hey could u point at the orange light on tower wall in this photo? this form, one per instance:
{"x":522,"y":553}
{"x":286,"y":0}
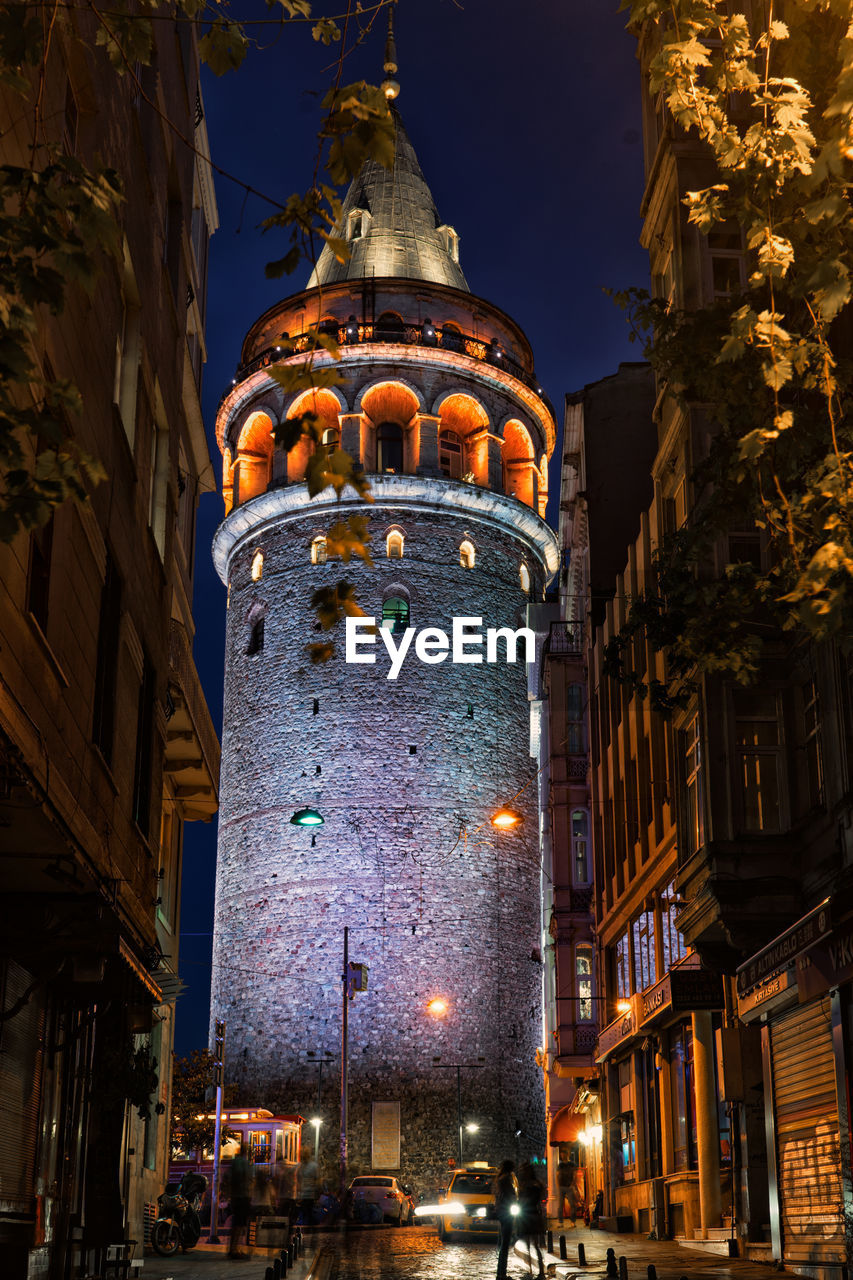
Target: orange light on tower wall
{"x":505,"y":818}
{"x":437,"y":1006}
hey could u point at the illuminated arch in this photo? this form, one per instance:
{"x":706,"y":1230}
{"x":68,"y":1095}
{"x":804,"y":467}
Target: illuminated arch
{"x":253,"y":464}
{"x":227,"y":480}
{"x":327,"y":406}
{"x":467,"y":554}
{"x":388,"y":404}
{"x":394,"y":544}
{"x":519,"y":463}
{"x":464,"y":415}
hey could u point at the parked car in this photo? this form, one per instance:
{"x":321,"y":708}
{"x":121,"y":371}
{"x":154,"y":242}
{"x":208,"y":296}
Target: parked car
{"x":375,"y":1197}
{"x":471,"y":1188}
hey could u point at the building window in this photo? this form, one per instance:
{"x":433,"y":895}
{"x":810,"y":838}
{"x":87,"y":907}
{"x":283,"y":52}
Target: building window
{"x":144,"y":743}
{"x":260,"y":1146}
{"x":643,"y":930}
{"x":38,"y":579}
{"x":394,"y":545}
{"x":758,"y":748}
{"x":583,"y":971}
{"x":624,"y":989}
{"x":694,"y":798}
{"x":674,"y":947}
{"x":332,"y":439}
{"x":395,"y":615}
{"x":450,"y":454}
{"x":158,"y":494}
{"x":467,"y":554}
{"x":256,"y":637}
{"x":318,"y":550}
{"x":524,"y":578}
{"x":683,"y":1097}
{"x":580,"y":845}
{"x":257,"y":566}
{"x":389,"y":448}
{"x":626,"y":1121}
{"x":812,"y":744}
{"x":106,"y":668}
{"x":575,"y":723}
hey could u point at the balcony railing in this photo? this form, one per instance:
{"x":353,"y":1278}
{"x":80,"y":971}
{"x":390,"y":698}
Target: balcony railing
{"x":564,"y":641}
{"x":574,"y":1039}
{"x":407,"y":333}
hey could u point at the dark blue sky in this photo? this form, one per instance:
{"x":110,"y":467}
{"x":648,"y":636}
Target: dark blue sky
{"x":526,"y":122}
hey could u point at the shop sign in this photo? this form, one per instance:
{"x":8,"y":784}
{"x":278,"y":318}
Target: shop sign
{"x":696,"y":989}
{"x":766,"y":991}
{"x":615,"y":1033}
{"x":657,"y":999}
{"x":827,"y":965}
{"x":782,"y":950}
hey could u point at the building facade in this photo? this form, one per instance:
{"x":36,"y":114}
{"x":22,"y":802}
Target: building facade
{"x":438,"y":402}
{"x":106,"y":743}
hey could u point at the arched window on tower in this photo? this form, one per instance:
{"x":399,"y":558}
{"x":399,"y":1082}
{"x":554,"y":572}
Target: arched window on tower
{"x":450,"y":454}
{"x":467,"y":554}
{"x":256,"y":637}
{"x":524,"y":578}
{"x":390,"y":328}
{"x":318,"y":550}
{"x":394,"y":545}
{"x":580,"y":846}
{"x":257,"y":566}
{"x":395,"y":615}
{"x":332,"y":438}
{"x":389,"y":448}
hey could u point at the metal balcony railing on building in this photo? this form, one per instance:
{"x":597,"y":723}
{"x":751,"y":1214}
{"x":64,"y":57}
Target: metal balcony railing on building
{"x":407,"y":333}
{"x":564,"y":641}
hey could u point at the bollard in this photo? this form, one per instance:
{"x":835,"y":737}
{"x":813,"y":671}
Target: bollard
{"x":550,"y":1241}
{"x":269,"y":1274}
{"x":581,"y":1256}
{"x":651,"y":1272}
{"x":300,"y":1242}
{"x":623,"y":1267}
{"x":612,"y":1269}
{"x":563,"y":1254}
{"x":276,"y":1269}
{"x":291,"y":1251}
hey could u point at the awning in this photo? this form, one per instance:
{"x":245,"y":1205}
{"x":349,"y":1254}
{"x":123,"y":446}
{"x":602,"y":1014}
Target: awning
{"x":565,"y":1127}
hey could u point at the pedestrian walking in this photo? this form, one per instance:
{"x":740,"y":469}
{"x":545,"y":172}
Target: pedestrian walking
{"x":531,"y":1219}
{"x":241,"y":1202}
{"x":308,"y":1173}
{"x":505,"y":1191}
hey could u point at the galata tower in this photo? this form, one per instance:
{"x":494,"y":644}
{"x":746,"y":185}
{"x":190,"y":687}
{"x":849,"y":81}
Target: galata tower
{"x":439,"y":403}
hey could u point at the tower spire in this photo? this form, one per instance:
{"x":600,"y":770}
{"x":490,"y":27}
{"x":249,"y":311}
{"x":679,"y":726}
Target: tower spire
{"x":390,"y":87}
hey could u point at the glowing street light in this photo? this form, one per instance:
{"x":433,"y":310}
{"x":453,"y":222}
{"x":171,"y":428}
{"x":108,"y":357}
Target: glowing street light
{"x":506,"y":818}
{"x":472,"y":1128}
{"x":623,"y":1006}
{"x":316,"y":1121}
{"x":437,"y":1007}
{"x":307,"y":817}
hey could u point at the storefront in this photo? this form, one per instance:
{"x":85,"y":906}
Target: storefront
{"x":799,"y":989}
{"x":666,"y":1141}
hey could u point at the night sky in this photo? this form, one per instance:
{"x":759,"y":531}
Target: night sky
{"x":526,"y":123}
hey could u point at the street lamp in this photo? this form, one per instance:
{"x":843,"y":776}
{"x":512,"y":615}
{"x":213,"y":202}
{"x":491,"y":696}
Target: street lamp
{"x":437,"y":1006}
{"x":506,"y":818}
{"x":458,"y":1067}
{"x":307,"y":817}
{"x":316,"y":1121}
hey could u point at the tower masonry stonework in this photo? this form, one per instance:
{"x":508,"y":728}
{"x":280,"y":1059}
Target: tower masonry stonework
{"x":439,"y":403}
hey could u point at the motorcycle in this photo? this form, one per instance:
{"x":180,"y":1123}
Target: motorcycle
{"x":178,"y":1224}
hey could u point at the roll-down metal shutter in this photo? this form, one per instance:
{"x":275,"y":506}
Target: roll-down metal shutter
{"x":807,"y":1142}
{"x":20,"y":1085}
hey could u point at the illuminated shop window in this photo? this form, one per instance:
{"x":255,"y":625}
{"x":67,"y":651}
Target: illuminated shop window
{"x":318,"y":550}
{"x":257,"y":566}
{"x":467,"y":554}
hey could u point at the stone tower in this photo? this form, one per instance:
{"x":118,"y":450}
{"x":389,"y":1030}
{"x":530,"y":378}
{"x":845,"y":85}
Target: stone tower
{"x":440,"y":404}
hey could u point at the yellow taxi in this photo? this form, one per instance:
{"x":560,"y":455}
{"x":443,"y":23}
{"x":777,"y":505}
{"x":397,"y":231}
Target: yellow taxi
{"x":468,"y":1203}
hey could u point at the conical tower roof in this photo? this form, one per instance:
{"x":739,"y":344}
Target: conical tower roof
{"x":401,"y":234}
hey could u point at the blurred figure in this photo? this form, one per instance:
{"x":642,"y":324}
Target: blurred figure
{"x":241,"y":1202}
{"x":308,"y":1173}
{"x":505,"y":1190}
{"x":531,"y":1219}
{"x":286,"y":1201}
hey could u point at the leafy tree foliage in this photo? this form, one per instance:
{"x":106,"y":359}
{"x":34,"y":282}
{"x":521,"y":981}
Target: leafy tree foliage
{"x":770,"y":94}
{"x":192,"y":1080}
{"x":58,"y":217}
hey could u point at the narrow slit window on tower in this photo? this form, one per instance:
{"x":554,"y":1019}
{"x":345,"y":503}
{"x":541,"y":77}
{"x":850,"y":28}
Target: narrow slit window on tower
{"x":524,"y":578}
{"x":332,"y":438}
{"x":257,"y":566}
{"x":318,"y":550}
{"x":256,"y":637}
{"x":395,"y":615}
{"x":316,"y":710}
{"x":467,"y":554}
{"x":394,"y":545}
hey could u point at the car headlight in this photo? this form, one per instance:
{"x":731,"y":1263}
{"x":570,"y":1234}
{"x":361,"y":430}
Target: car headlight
{"x":481,"y":1212}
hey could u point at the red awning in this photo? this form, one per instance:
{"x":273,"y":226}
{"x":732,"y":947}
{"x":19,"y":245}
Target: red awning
{"x":566,"y":1126}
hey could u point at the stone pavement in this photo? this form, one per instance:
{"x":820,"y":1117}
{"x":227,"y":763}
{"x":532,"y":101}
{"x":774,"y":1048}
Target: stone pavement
{"x":415,"y":1253}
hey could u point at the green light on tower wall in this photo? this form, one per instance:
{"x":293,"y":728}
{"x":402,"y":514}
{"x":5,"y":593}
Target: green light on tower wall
{"x":307,"y":818}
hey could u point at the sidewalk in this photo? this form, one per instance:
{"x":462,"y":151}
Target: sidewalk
{"x":671,"y":1261}
{"x":211,"y":1262}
